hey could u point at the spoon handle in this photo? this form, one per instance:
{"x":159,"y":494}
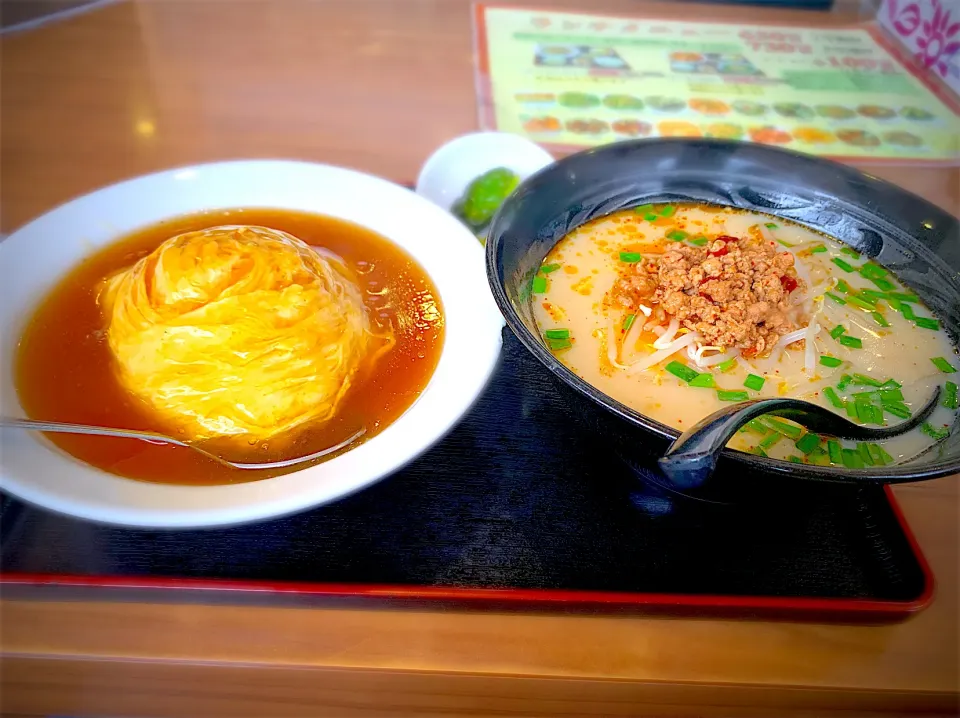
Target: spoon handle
{"x":153,"y":438}
{"x":61,"y":428}
{"x":691,"y":459}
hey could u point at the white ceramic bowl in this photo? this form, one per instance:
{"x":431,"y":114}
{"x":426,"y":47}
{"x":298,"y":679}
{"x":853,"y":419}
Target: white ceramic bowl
{"x":35,"y":257}
{"x":448,"y":172}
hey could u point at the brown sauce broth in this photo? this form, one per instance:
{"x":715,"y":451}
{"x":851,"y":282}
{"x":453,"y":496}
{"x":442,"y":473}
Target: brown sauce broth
{"x":64,"y":368}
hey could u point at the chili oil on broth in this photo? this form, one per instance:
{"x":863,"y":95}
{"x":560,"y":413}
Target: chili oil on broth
{"x":576,"y":298}
{"x":64,"y":367}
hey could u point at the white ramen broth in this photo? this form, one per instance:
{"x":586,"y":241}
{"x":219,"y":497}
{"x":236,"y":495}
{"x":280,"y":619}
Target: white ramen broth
{"x":835,"y":329}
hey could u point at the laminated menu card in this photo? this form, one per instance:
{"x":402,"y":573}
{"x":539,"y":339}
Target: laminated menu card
{"x":570,"y":81}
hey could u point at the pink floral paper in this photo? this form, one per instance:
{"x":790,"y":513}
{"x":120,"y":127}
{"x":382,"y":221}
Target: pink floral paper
{"x":930,"y":30}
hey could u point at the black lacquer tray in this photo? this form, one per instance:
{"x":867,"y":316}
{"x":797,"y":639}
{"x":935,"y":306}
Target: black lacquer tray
{"x":521,"y":506}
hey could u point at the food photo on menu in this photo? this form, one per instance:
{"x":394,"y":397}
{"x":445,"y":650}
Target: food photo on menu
{"x":655,"y":334}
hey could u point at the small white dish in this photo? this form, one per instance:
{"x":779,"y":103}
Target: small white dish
{"x":35,"y":257}
{"x":449,"y":171}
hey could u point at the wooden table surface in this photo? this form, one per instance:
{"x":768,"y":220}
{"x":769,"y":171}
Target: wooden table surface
{"x":377,"y":84}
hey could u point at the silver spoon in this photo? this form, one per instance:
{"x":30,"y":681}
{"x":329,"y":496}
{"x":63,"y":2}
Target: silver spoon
{"x":691,"y":459}
{"x":154,"y":438}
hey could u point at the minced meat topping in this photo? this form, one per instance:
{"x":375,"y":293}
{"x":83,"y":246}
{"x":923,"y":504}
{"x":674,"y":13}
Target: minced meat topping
{"x":733,"y":292}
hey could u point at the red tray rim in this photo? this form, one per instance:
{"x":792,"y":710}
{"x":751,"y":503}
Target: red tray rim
{"x":518,"y":597}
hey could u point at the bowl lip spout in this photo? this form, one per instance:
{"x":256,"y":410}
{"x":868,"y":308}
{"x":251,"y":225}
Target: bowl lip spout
{"x":564,"y":167}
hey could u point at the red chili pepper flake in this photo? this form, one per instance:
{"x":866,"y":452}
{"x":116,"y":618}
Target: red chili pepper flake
{"x":789,"y":283}
{"x":704,"y":294}
{"x":726,"y":239}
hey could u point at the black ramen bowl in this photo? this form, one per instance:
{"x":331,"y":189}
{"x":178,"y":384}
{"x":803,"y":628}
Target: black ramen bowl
{"x":918,"y":241}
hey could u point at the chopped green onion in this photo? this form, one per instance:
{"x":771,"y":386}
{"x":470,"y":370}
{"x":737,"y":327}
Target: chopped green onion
{"x":699,"y":241}
{"x":833,"y":397}
{"x":834,"y":297}
{"x":867,"y":412}
{"x":630,"y":257}
{"x":851,"y":252}
{"x":644,"y":209}
{"x":891,"y":384}
{"x":851,"y":459}
{"x":858,"y":301}
{"x":845,"y":266}
{"x":864,"y":297}
{"x":732,"y":395}
{"x":771,"y":225}
{"x":898,"y":409}
{"x":756,"y":426}
{"x":851,"y":408}
{"x":817,"y":249}
{"x":869,"y":394}
{"x":950,"y":400}
{"x":819,"y":457}
{"x":895,"y":304}
{"x":933,"y":432}
{"x":864,"y":450}
{"x":681,"y":371}
{"x":557,"y":334}
{"x":754,"y":382}
{"x":830,"y":361}
{"x":833,"y":448}
{"x":851,"y":342}
{"x":770,"y":439}
{"x":873,"y":293}
{"x":539,"y":285}
{"x":863,"y":397}
{"x":704,"y":381}
{"x":783,"y":427}
{"x":760,"y":452}
{"x":677,"y":235}
{"x":871,"y":414}
{"x":628,"y":322}
{"x":837,"y":331}
{"x":871,"y":270}
{"x":927,"y":323}
{"x":668,"y":211}
{"x":842,"y":286}
{"x":808,"y":442}
{"x":880,"y":319}
{"x":547,"y":268}
{"x":878,"y":455}
{"x":558,"y":344}
{"x":943,"y":365}
{"x":884,"y":284}
{"x":784,"y":244}
{"x":795,"y":459}
{"x":907,"y":311}
{"x":864,"y":380}
{"x":725,"y":366}
{"x":887,"y":459}
{"x":844,"y":382}
{"x":904,"y":297}
{"x":888,"y":395}
{"x":651,"y":217}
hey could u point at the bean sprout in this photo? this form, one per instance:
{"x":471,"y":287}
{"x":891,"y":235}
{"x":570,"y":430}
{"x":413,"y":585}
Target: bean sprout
{"x":659,"y":356}
{"x":719,"y":358}
{"x":810,"y":351}
{"x":669,"y":335}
